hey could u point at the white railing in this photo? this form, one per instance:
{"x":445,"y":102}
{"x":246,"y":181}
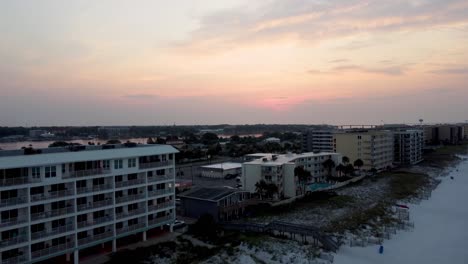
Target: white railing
{"x":51,"y":195}
{"x":15,"y":260}
{"x":13,"y":240}
{"x":54,"y":231}
{"x":160,"y":192}
{"x":159,"y":220}
{"x":129,"y":183}
{"x":52,"y":250}
{"x":96,"y":221}
{"x":127,"y":198}
{"x":84,"y":173}
{"x":93,"y":205}
{"x":131,"y":213}
{"x":154,"y":164}
{"x":130,"y":228}
{"x":94,"y":238}
{"x":160,"y":206}
{"x":12,"y":221}
{"x":18,"y":181}
{"x":52,"y":213}
{"x":96,"y":188}
{"x":12,"y":201}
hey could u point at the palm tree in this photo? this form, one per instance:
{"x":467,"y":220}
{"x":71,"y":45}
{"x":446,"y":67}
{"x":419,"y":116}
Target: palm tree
{"x":345,"y":160}
{"x":340,"y":169}
{"x":358,"y":163}
{"x":329,"y":164}
{"x":260,"y":188}
{"x":271,"y":189}
{"x":302,"y":175}
{"x":349,"y":169}
{"x":373,"y":170}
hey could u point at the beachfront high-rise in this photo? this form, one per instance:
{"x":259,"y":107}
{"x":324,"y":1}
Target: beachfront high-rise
{"x":409,"y":146}
{"x":374,"y":147}
{"x":61,"y":200}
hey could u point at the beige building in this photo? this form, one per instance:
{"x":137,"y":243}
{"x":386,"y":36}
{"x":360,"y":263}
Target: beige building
{"x":374,"y":147}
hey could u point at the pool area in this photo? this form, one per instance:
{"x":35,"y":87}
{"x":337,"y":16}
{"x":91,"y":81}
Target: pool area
{"x":318,"y":186}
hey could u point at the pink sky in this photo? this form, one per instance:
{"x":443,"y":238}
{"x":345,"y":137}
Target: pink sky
{"x":206,"y":62}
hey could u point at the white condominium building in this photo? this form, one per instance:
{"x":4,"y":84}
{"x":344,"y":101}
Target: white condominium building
{"x":279,"y":170}
{"x":59,"y":201}
{"x":409,"y":146}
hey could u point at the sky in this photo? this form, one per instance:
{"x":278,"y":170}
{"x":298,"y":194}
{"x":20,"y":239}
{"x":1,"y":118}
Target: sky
{"x":154,"y":62}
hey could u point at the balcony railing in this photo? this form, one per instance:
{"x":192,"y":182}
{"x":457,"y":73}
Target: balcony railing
{"x":129,"y":183}
{"x":160,"y":192}
{"x":15,"y":260}
{"x":96,"y":188}
{"x":96,"y":221}
{"x":160,"y":220}
{"x":52,"y":250}
{"x":127,"y":198}
{"x":13,"y":240}
{"x":94,"y":238}
{"x":12,"y":221}
{"x":93,"y":205}
{"x":160,"y":206}
{"x":154,"y":164}
{"x":13,"y":201}
{"x":84,"y":173}
{"x":130,"y":228}
{"x":131,"y":213}
{"x":51,"y":195}
{"x":159,"y":178}
{"x":53,"y":231}
{"x":52,"y":213}
{"x":18,"y":181}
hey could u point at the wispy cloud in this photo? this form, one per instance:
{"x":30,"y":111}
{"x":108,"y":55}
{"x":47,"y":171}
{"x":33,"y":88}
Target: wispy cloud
{"x":140,"y":96}
{"x":391,"y":70}
{"x":460,"y":70}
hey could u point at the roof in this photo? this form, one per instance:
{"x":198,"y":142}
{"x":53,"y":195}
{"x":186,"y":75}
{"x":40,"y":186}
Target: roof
{"x":209,"y":194}
{"x":287,"y":158}
{"x":17,"y":161}
{"x":224,"y":166}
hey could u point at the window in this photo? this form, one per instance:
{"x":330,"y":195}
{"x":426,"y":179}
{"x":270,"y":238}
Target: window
{"x":82,"y":218}
{"x":81,"y":184}
{"x":132,"y":163}
{"x":63,"y":168}
{"x":118,"y":164}
{"x":119,"y":225}
{"x":50,"y":171}
{"x":160,"y":172}
{"x":132,"y":177}
{"x":170,"y":156}
{"x":118,"y":178}
{"x":36,"y":172}
{"x":106,"y":164}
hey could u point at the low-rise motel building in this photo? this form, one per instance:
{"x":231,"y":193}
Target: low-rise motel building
{"x":58,"y":201}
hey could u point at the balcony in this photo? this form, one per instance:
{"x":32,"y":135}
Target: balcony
{"x":128,"y":198}
{"x":13,"y":240}
{"x":51,"y":195}
{"x":12,"y":222}
{"x":52,"y":213}
{"x":96,"y":221}
{"x":53,"y":231}
{"x":84,"y":173}
{"x":96,"y":188}
{"x":12,"y":201}
{"x":131,"y":228}
{"x":18,"y":181}
{"x":160,"y":192}
{"x":93,"y":205}
{"x":160,"y":206}
{"x":159,"y":178}
{"x":15,"y":260}
{"x":95,"y":238}
{"x":160,"y":220}
{"x":154,"y":164}
{"x":129,"y":183}
{"x":131,"y":213}
{"x":52,"y":250}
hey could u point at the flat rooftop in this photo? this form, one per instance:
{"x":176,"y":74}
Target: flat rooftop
{"x":278,"y":159}
{"x":223,"y":166}
{"x":17,"y":158}
{"x":208,"y":194}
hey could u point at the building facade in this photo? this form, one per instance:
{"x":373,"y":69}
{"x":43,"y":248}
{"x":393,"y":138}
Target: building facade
{"x":221,"y":170}
{"x":374,"y":147}
{"x":279,"y":170}
{"x":61,"y":200}
{"x":318,"y":140}
{"x":409,"y":146}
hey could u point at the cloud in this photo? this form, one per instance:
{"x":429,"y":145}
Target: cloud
{"x":140,"y":96}
{"x":391,"y":70}
{"x":338,"y":61}
{"x":460,"y":70}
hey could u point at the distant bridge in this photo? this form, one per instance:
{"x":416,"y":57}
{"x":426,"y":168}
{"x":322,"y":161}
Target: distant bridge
{"x":284,"y":227}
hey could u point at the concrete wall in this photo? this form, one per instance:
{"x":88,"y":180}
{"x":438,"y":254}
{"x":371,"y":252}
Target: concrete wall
{"x":251,"y":174}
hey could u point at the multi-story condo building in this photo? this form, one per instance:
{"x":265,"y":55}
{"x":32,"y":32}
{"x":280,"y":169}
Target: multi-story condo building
{"x":318,"y":140}
{"x":408,"y":146}
{"x":374,"y":147}
{"x":279,"y":170}
{"x":446,"y":134}
{"x":59,"y":201}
